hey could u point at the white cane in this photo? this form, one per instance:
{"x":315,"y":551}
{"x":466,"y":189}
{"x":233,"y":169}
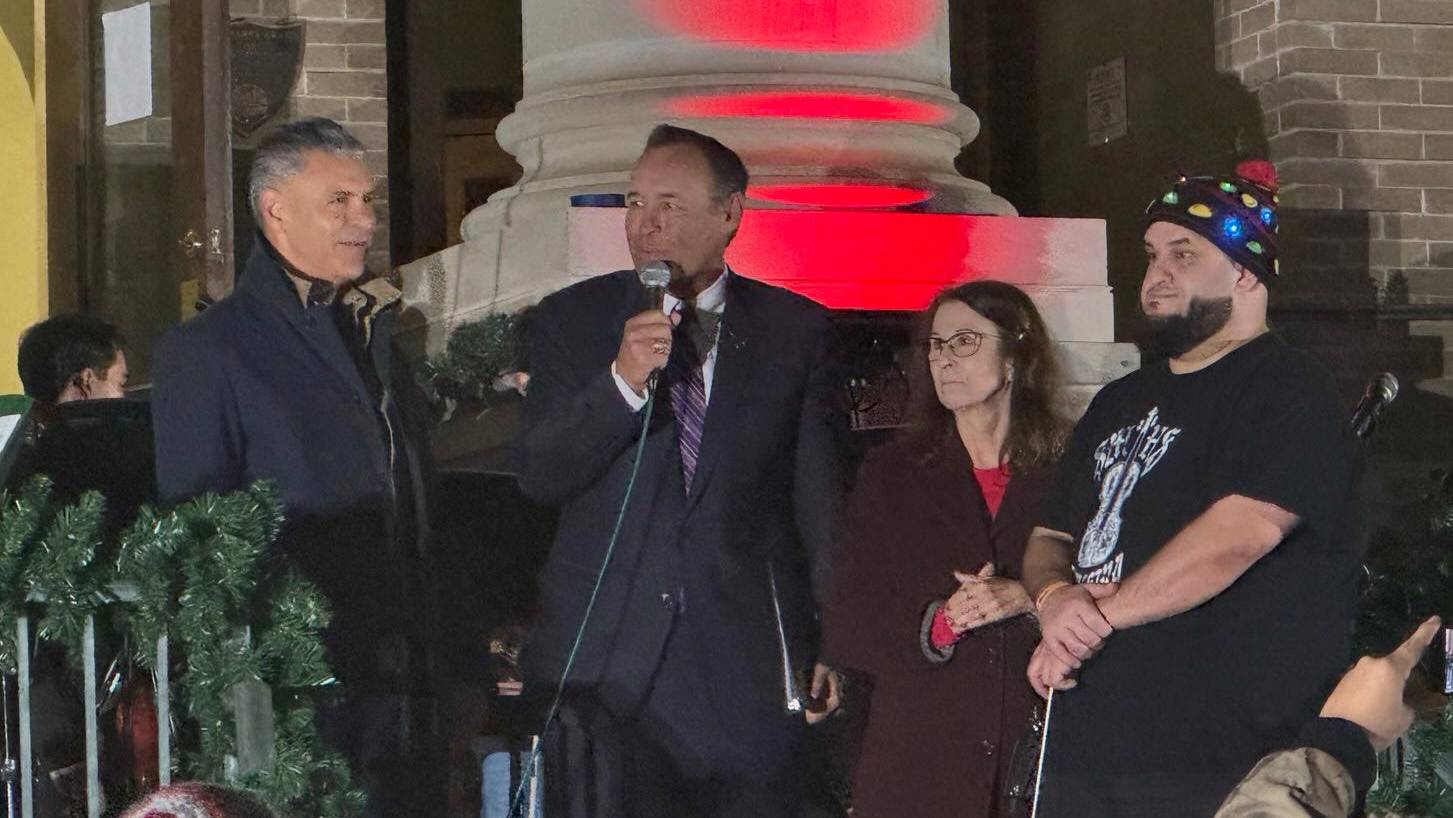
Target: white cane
{"x":1043,"y":746}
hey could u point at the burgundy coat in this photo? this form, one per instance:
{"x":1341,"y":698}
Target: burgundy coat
{"x":939,"y":737}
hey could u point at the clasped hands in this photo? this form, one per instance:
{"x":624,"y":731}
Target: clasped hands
{"x":1072,"y":630}
{"x":983,"y":599}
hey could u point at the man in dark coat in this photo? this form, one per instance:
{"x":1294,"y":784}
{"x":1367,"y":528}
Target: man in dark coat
{"x":679,"y":700}
{"x":292,"y":378}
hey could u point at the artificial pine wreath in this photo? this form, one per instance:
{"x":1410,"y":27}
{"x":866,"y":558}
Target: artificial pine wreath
{"x":476,"y":354}
{"x":199,"y":574}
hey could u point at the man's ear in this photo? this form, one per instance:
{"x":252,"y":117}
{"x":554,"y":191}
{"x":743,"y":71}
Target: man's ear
{"x":270,"y":205}
{"x":734,"y":205}
{"x":85,"y":381}
{"x":1246,"y":281}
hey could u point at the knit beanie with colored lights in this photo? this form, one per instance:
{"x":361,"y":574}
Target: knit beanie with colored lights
{"x":1237,"y":214}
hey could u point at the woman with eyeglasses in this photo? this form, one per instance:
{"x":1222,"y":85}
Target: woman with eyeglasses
{"x":926,"y":597}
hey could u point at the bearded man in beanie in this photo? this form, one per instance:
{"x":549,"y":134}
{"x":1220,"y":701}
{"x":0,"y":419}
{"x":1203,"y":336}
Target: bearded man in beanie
{"x":1195,"y":568}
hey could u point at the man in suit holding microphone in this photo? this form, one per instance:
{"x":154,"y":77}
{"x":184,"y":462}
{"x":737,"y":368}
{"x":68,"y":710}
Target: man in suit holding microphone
{"x":677,"y":702}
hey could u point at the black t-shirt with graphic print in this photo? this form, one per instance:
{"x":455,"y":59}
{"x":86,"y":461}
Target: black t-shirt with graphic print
{"x":1210,"y":690}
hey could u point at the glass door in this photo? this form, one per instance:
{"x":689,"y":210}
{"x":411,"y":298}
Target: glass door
{"x":144,"y":143}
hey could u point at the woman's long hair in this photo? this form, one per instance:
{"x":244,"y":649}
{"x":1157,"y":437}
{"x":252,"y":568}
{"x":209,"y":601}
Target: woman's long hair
{"x":1036,"y":430}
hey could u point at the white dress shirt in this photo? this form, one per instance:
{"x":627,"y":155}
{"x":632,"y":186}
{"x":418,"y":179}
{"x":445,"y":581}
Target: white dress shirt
{"x":713,"y":300}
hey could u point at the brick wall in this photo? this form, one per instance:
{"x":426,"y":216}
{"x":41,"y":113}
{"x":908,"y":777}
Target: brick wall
{"x":1357,"y":97}
{"x":1357,"y":108}
{"x":343,"y":78}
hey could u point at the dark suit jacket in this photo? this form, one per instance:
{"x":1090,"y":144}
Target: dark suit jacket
{"x":764,"y":494}
{"x":100,"y":445}
{"x":257,"y":387}
{"x":939,"y":736}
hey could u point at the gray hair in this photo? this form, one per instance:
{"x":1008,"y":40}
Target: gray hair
{"x":281,"y":154}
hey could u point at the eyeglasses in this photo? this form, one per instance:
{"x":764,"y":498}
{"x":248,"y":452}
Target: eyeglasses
{"x":962,"y":344}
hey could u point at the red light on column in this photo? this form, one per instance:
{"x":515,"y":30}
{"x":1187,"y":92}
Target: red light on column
{"x":809,"y":105}
{"x":797,"y":25}
{"x":843,"y":196}
{"x":881,"y":260}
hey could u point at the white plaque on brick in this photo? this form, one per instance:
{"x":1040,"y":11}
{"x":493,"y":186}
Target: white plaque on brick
{"x":1105,"y":101}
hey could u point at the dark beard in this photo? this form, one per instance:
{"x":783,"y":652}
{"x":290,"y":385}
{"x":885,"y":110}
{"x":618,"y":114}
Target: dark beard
{"x":1172,"y":336}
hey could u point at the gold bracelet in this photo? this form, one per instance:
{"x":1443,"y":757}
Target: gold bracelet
{"x":1047,"y":590}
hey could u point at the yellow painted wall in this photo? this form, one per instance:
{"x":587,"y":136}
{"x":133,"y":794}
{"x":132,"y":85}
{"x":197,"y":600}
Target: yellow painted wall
{"x":23,"y":290}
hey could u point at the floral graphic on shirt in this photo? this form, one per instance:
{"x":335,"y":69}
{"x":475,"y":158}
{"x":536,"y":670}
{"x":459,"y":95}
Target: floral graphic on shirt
{"x":1121,"y":461}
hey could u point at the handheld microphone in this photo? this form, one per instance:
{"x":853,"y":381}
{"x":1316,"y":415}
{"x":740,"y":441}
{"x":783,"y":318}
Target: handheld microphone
{"x":1381,"y":390}
{"x":655,"y":277}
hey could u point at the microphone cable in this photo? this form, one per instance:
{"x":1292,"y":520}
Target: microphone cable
{"x":528,"y":770}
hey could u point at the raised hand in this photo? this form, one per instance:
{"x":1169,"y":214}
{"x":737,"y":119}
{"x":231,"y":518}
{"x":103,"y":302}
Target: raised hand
{"x":1371,"y":693}
{"x":645,"y":347}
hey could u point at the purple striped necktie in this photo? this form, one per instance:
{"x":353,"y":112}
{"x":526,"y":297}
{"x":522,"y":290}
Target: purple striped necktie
{"x":688,"y":389}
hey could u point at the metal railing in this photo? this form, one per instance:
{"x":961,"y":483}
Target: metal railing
{"x":20,"y":771}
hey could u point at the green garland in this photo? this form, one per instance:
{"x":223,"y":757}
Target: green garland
{"x":61,"y":571}
{"x":200,"y":574}
{"x":1424,"y":784}
{"x":476,"y":353}
{"x":20,"y":519}
{"x":228,"y":536}
{"x":146,"y":559}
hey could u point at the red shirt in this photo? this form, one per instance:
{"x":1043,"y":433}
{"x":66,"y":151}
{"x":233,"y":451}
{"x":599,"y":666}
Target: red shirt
{"x":992,"y":483}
